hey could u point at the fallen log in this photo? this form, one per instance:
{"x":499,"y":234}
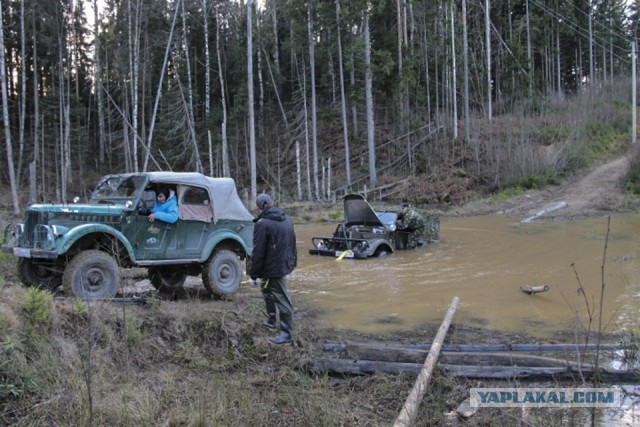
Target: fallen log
{"x":411,"y":405}
{"x":359,"y":351}
{"x":545,"y":211}
{"x":342,"y":347}
{"x":366,"y":367}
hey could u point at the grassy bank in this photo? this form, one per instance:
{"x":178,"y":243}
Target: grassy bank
{"x":193,"y":361}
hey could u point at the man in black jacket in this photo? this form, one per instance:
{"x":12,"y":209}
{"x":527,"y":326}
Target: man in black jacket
{"x":274,"y":256}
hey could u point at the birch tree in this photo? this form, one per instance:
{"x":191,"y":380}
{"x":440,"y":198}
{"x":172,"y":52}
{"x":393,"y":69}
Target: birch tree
{"x":98,"y":81}
{"x":223,"y":102}
{"x":23,"y":89}
{"x":314,"y":117}
{"x":371,"y":143}
{"x":252,"y":120}
{"x":343,"y":102}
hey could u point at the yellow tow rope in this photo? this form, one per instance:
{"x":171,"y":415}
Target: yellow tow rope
{"x":343,"y":254}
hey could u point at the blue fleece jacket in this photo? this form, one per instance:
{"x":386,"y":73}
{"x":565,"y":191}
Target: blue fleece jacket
{"x":168,"y":211}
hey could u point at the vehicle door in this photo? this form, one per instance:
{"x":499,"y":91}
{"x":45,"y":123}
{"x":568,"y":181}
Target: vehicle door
{"x":151,"y":240}
{"x":195,"y":224}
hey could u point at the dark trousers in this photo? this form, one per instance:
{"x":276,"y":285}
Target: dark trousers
{"x":276,"y":296}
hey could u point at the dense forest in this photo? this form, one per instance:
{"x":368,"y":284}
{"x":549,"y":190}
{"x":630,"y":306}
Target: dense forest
{"x":306,"y":99}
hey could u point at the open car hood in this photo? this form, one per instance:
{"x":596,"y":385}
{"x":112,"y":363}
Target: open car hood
{"x":357,"y":211}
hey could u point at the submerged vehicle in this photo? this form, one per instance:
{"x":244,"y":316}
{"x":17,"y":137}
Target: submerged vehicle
{"x":83,"y":246}
{"x":364,"y":233}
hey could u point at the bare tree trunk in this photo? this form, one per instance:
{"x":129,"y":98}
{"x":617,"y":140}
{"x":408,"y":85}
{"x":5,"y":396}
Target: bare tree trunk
{"x":369,"y":100}
{"x":134,"y":60}
{"x":306,"y":132}
{"x":298,"y":170}
{"x":487,"y":21}
{"x":63,"y":126}
{"x":634,"y":95}
{"x":314,"y":127}
{"x":400,"y":64}
{"x":23,"y":91}
{"x":159,"y":91}
{"x":189,"y":100}
{"x":207,"y":79}
{"x":276,"y":50}
{"x":98,"y":83}
{"x":592,"y":74}
{"x":260,"y":83}
{"x":7,"y":125}
{"x":529,"y":50}
{"x":465,"y":59}
{"x":223,"y":128}
{"x":252,"y":120}
{"x":454,"y":79}
{"x":354,"y":111}
{"x":343,"y":103}
{"x":33,"y":197}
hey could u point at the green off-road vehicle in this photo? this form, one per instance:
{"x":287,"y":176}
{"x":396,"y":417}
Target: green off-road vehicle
{"x":83,"y":247}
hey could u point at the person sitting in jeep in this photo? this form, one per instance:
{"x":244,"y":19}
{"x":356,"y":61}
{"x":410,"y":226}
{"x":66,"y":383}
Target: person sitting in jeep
{"x":165,"y":208}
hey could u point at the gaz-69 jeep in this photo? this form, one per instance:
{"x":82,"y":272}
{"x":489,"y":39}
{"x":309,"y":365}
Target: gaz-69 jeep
{"x":83,"y":246}
{"x":366,"y":232}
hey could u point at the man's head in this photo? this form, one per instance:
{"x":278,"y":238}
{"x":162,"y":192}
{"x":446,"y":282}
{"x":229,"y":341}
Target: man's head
{"x":264,"y":202}
{"x":405,"y":206}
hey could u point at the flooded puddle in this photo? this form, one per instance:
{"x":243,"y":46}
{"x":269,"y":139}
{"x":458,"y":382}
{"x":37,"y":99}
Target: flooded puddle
{"x":484,"y":261}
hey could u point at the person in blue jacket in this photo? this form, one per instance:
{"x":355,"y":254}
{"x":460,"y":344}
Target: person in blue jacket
{"x":165,"y":208}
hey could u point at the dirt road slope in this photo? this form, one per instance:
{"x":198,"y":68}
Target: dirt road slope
{"x":597,"y":192}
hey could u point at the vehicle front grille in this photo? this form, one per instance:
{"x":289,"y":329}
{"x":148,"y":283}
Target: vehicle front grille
{"x":31,"y":220}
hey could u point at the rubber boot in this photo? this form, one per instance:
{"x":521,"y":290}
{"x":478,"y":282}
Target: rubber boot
{"x":271,"y":321}
{"x":286,"y":330}
{"x":270,"y":304}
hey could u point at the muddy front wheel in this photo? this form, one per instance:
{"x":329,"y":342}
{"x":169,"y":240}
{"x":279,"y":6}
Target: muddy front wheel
{"x":39,"y":276}
{"x":92,"y":275}
{"x":222,"y":273}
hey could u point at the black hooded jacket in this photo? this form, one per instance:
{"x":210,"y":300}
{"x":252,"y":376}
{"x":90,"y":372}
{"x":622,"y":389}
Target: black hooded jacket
{"x":274,"y":245}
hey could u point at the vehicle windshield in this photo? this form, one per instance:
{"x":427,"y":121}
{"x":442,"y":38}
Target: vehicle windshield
{"x":118,"y":187}
{"x":387,"y":218}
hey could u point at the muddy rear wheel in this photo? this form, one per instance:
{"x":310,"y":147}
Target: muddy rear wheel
{"x":222,"y":273}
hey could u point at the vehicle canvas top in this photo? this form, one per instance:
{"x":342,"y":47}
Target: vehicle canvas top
{"x":357,"y":211}
{"x":226,"y":202}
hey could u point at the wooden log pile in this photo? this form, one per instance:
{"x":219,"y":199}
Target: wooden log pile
{"x":501,"y":361}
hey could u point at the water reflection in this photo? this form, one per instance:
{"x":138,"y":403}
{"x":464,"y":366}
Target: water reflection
{"x":484,"y":261}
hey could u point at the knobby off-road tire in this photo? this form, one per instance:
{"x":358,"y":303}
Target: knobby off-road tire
{"x":92,"y":275}
{"x":35,"y":275}
{"x":222,"y":273}
{"x":166,"y":278}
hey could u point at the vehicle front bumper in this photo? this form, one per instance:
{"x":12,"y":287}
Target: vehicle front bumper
{"x":29,"y":253}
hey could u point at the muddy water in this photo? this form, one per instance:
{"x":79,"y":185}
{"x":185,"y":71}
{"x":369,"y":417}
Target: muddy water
{"x":484,"y":261}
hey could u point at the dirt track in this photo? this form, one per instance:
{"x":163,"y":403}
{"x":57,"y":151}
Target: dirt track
{"x":598,"y":192}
